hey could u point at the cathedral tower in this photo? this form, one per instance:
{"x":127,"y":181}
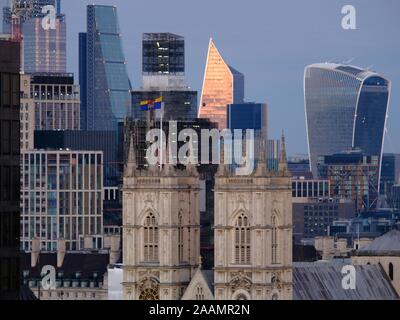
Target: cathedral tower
{"x":253,"y":233}
{"x":161,"y":230}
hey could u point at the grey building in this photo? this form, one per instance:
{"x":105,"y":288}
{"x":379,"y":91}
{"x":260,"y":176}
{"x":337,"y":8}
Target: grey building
{"x":56,"y":101}
{"x":62,"y":198}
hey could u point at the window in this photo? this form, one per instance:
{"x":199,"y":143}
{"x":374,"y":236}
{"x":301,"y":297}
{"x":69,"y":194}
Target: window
{"x":180,"y":237}
{"x":391,"y":275}
{"x":150,"y":239}
{"x":274,"y":241}
{"x":199,"y":293}
{"x":242,"y":240}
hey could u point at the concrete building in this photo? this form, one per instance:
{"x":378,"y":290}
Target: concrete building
{"x":27,"y":115}
{"x":62,"y":198}
{"x":57,"y":101}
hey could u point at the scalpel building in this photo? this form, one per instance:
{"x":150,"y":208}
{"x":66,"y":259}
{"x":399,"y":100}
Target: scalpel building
{"x":346,"y":108}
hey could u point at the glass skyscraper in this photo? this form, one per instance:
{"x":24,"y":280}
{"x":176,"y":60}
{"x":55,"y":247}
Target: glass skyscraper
{"x":222,"y":85}
{"x":346,"y":108}
{"x":103,"y":73}
{"x":44,"y":50}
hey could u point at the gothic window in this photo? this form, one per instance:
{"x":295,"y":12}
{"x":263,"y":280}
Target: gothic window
{"x":150,"y":239}
{"x":199,"y":293}
{"x":274,"y":241}
{"x":149,"y":290}
{"x":391,"y":273}
{"x":241,"y":296}
{"x":180,"y":237}
{"x":242,"y":240}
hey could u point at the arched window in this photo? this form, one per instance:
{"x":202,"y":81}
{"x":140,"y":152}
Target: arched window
{"x":391,"y":274}
{"x":180,"y":237}
{"x":199,"y":293}
{"x":150,"y":239}
{"x":274,"y":241}
{"x":275,"y":296}
{"x":242,"y":240}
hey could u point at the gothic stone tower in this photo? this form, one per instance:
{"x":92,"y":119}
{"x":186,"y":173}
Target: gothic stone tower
{"x":253,"y":233}
{"x":161,"y":230}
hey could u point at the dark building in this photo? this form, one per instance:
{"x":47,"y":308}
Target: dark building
{"x":248,"y":116}
{"x":102,"y":62}
{"x":106,"y":141}
{"x":163,"y":75}
{"x":9,"y":169}
{"x":83,"y":77}
{"x":390,"y":174}
{"x":178,"y":104}
{"x":313,"y":217}
{"x":163,"y":53}
{"x":300,"y":169}
{"x":352,"y":175}
{"x":56,"y":100}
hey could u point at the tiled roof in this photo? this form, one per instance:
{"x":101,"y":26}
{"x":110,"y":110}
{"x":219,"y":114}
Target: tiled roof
{"x":323,"y":281}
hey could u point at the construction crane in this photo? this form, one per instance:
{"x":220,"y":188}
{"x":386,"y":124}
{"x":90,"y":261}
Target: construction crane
{"x":21,"y":10}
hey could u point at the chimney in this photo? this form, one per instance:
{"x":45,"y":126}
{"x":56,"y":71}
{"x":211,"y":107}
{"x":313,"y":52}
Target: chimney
{"x":115,"y":248}
{"x":60,"y":252}
{"x":35,"y":252}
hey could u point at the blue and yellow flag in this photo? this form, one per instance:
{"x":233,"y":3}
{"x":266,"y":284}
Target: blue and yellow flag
{"x":146,"y":105}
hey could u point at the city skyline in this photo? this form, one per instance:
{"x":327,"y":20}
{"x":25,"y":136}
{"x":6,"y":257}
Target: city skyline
{"x":273,"y":63}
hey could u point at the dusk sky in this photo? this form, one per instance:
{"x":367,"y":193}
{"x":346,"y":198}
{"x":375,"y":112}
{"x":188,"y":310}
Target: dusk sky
{"x":270,"y":42}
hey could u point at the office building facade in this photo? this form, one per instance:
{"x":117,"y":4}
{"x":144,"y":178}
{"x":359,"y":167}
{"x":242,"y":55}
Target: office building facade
{"x":353,"y":176}
{"x":163,"y":75}
{"x":222,"y":85}
{"x":109,"y":142}
{"x":103,"y":71}
{"x":57,"y":101}
{"x":9,"y":168}
{"x":346,"y":107}
{"x":62,"y":198}
{"x":45,"y":50}
{"x":27,"y":115}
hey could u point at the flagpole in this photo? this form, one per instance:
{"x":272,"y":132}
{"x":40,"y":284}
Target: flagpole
{"x":161,"y":134}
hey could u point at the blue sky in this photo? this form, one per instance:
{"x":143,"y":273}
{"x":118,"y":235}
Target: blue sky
{"x":269,"y":41}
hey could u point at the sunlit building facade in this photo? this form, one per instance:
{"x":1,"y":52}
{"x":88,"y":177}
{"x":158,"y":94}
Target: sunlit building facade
{"x":105,"y":78}
{"x":222,"y":85}
{"x":346,"y":107}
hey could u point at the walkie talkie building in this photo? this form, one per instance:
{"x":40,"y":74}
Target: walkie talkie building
{"x":346,"y":108}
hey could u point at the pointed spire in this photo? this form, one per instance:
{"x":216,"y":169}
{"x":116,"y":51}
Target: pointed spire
{"x":261,"y":169}
{"x":283,"y":166}
{"x":131,"y":165}
{"x":169,"y":167}
{"x":191,"y":166}
{"x":222,"y":167}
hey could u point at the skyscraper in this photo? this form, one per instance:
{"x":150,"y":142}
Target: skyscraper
{"x":9,"y":168}
{"x":44,"y":49}
{"x":102,"y":62}
{"x":346,"y":107}
{"x":163,"y":74}
{"x":222,"y":85}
